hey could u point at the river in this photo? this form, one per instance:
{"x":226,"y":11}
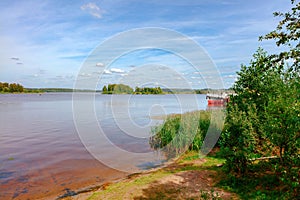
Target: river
{"x":41,"y":151}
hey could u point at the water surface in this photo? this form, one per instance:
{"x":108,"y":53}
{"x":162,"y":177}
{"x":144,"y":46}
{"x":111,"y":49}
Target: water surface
{"x":42,"y":156}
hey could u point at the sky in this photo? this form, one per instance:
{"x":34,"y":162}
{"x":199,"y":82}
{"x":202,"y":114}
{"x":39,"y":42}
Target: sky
{"x":48,"y":43}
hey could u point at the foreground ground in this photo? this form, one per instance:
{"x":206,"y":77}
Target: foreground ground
{"x":187,"y":178}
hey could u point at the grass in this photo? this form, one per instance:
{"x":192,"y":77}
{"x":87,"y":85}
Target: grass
{"x":187,"y":131}
{"x":254,"y":187}
{"x":210,"y":161}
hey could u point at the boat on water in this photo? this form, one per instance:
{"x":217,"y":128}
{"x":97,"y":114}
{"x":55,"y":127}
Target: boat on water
{"x":217,"y":99}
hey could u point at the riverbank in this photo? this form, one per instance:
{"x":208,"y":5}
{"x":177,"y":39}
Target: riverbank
{"x":188,"y":177}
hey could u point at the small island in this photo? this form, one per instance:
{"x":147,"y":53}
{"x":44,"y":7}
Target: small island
{"x":125,"y":89}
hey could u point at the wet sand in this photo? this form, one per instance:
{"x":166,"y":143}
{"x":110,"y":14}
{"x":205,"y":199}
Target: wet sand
{"x":57,"y":180}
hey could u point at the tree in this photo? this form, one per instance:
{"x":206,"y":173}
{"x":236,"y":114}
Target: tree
{"x":6,"y":85}
{"x":287,"y":33}
{"x":263,"y":118}
{"x":239,"y":139}
{"x":20,"y":88}
{"x":137,"y":90}
{"x":122,"y":89}
{"x":104,"y":90}
{"x":110,"y":88}
{"x":147,"y":90}
{"x":284,"y":118}
{"x":282,"y":127}
{"x":243,"y":137}
{"x":117,"y":89}
{"x":13,"y":87}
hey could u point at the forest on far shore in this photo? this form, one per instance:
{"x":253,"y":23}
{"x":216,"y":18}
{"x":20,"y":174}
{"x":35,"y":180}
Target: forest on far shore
{"x":125,"y":89}
{"x":10,"y":87}
{"x":110,"y":89}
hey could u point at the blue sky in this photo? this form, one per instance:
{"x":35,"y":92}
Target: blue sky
{"x":45,"y":43}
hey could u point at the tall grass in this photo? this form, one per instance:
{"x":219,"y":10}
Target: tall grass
{"x":183,"y":132}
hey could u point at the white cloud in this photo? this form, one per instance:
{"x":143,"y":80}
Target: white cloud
{"x":116,"y":70}
{"x":92,"y":9}
{"x":106,"y":71}
{"x":85,"y":75}
{"x":99,"y":64}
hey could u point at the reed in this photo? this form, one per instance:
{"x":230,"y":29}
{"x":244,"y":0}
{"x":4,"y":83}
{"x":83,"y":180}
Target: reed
{"x":183,"y":132}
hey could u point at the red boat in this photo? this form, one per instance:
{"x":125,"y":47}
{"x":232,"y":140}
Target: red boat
{"x":217,"y":99}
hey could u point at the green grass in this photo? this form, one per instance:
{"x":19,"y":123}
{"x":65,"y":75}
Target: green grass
{"x":210,"y":161}
{"x":213,"y":162}
{"x":254,"y":187}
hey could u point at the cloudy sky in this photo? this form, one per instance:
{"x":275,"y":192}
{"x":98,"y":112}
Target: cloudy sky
{"x":47,"y":43}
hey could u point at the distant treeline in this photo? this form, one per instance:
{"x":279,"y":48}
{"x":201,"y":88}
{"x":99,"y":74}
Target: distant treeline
{"x":194,"y":91}
{"x":184,"y":91}
{"x":10,"y":87}
{"x":109,"y":89}
{"x":42,"y":90}
{"x":125,"y":89}
{"x":18,"y":88}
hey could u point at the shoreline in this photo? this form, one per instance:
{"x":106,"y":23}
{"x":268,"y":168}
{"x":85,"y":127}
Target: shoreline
{"x":82,"y":192}
{"x":181,"y":173}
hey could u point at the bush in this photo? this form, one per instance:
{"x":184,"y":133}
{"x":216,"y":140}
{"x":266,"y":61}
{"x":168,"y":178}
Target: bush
{"x":238,"y":139}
